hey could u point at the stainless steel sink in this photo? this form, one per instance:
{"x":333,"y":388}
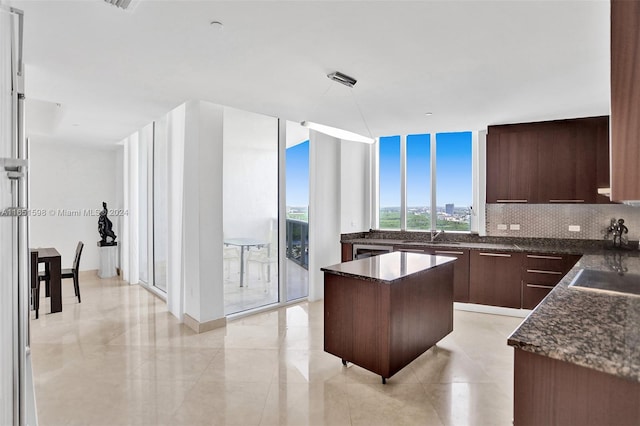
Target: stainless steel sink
{"x":431,"y":243}
{"x":607,"y":282}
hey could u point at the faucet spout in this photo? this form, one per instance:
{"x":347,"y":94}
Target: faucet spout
{"x":435,"y":234}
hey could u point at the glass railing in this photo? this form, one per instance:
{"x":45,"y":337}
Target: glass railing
{"x":298,"y":242}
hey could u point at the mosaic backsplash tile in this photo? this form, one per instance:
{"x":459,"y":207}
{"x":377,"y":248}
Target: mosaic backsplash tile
{"x":553,"y":221}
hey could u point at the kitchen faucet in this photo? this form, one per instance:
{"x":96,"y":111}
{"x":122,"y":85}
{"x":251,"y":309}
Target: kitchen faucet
{"x":435,"y":234}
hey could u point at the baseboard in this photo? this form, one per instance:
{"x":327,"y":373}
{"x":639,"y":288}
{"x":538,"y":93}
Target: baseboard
{"x":495,"y":310}
{"x":203,"y":327}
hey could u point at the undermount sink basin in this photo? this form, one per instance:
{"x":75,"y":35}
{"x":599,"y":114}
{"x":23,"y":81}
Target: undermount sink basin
{"x":431,"y":243}
{"x":607,"y":282}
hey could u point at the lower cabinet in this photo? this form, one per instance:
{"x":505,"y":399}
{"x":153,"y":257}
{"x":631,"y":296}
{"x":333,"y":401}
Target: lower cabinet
{"x":460,"y":271}
{"x":540,"y":273}
{"x":460,"y":267}
{"x":494,"y":278}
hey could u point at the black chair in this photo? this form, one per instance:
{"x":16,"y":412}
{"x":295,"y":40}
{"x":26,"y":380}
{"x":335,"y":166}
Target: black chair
{"x":35,"y":283}
{"x":66,"y":273}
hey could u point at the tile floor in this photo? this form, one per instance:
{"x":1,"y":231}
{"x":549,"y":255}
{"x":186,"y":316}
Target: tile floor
{"x":120,"y":358}
{"x":256,"y":290}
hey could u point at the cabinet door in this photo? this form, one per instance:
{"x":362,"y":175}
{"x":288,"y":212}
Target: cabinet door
{"x":512,"y":166}
{"x":495,"y":278}
{"x":557,"y":165}
{"x":603,"y":177}
{"x":460,"y":272}
{"x":625,"y":100}
{"x":347,"y":252}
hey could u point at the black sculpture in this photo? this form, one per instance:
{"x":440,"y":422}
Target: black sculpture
{"x":104,"y":228}
{"x":618,"y":229}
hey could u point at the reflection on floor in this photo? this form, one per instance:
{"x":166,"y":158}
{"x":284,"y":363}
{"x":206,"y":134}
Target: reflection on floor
{"x":120,"y":358}
{"x":257,"y":290}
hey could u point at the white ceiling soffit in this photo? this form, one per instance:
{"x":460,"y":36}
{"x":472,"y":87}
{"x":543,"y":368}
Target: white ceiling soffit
{"x":470,"y":63}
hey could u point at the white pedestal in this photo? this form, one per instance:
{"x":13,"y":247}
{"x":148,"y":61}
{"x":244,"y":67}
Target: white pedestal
{"x":108,"y":256}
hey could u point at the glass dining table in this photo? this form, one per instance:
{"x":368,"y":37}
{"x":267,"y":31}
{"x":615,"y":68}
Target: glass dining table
{"x":245,"y":244}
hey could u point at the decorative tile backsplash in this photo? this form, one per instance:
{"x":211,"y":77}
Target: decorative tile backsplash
{"x":553,"y":221}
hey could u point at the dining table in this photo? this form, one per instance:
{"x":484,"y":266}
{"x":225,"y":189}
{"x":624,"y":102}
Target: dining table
{"x":51,"y":259}
{"x":245,"y":244}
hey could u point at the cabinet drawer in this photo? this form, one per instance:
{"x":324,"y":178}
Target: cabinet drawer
{"x":532,"y":294}
{"x":541,"y":276}
{"x":410,"y":249}
{"x":550,"y":262}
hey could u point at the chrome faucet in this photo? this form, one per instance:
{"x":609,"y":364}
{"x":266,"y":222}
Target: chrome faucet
{"x":435,"y":234}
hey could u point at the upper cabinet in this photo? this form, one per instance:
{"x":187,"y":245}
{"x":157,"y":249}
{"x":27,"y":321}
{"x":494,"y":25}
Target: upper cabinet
{"x":625,"y":100}
{"x":563,"y":161}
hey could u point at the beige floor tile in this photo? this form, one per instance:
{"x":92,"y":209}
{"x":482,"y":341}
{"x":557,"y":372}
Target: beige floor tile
{"x":120,"y":357}
{"x":390,"y":404}
{"x":210,"y":403}
{"x":467,"y":404}
{"x":321,"y":403}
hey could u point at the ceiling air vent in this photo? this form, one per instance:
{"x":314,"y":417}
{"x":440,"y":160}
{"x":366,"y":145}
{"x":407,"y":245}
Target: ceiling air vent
{"x":123,"y":4}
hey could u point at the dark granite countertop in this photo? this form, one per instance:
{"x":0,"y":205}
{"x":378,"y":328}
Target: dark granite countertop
{"x":388,"y":268}
{"x":588,"y":328}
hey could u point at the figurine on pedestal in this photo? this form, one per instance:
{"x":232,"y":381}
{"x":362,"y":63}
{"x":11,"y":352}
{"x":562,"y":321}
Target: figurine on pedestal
{"x":104,"y":228}
{"x":618,"y":229}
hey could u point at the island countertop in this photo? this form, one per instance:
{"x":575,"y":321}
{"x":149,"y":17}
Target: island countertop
{"x":388,"y":268}
{"x":588,"y":328}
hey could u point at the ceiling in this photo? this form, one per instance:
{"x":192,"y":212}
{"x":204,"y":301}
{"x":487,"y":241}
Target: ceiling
{"x":470,"y":63}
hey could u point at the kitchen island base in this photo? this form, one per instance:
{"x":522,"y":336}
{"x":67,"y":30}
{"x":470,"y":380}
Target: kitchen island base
{"x":382,"y":326}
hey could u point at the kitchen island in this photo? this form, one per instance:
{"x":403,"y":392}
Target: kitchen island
{"x":383,"y":312}
{"x":577,"y":355}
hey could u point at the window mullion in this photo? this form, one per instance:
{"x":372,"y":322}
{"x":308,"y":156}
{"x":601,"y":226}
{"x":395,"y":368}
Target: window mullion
{"x":433,"y":208}
{"x":403,"y":182}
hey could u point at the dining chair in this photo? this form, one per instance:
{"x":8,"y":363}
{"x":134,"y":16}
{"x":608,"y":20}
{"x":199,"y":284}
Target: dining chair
{"x":35,"y":283}
{"x":265,"y":257}
{"x":231,"y":254}
{"x":67,"y":273}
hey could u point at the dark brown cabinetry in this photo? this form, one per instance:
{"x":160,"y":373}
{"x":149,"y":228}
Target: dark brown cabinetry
{"x":347,"y":252}
{"x":563,"y":161}
{"x":494,"y":278}
{"x":383,"y":326}
{"x":511,"y":179}
{"x":540,"y":273}
{"x":552,"y":392}
{"x":460,"y":271}
{"x":460,"y":267}
{"x":625,"y":100}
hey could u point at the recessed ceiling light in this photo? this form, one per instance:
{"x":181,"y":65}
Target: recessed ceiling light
{"x":217,"y":25}
{"x":428,"y":113}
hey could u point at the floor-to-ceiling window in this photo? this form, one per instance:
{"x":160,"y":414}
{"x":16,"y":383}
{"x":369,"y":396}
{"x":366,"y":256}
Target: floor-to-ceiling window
{"x":297,"y":216}
{"x":250,"y":210}
{"x":145,"y":147}
{"x":418,"y":182}
{"x":160,"y":205}
{"x":453,"y":181}
{"x":452,"y":186}
{"x":390,"y":182}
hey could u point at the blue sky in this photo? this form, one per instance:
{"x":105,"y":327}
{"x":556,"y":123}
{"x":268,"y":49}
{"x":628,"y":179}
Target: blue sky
{"x":297,"y":171}
{"x":453,"y":168}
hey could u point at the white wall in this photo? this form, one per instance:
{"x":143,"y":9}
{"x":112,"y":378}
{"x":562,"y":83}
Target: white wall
{"x":324,"y":209}
{"x":202,"y":221}
{"x":67,"y":180}
{"x":355,"y":186}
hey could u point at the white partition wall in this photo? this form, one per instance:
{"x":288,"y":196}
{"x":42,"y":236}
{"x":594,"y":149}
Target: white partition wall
{"x":324,"y":208}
